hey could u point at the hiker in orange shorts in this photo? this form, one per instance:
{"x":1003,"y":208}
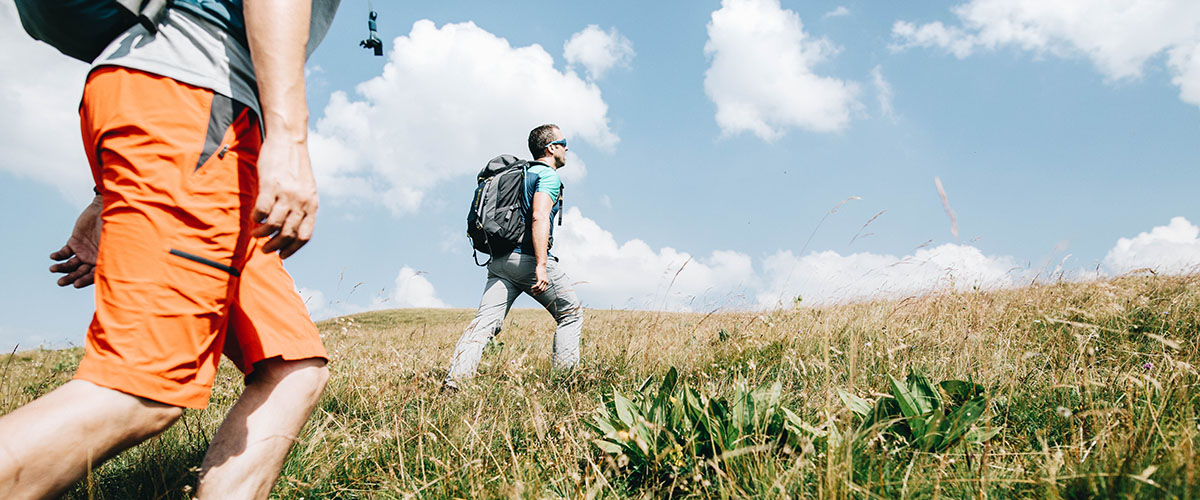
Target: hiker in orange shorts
{"x":195,"y":126}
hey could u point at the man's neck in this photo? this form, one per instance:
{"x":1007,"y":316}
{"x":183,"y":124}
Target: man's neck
{"x":547,"y":161}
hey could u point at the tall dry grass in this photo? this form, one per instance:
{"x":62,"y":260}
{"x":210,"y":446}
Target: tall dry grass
{"x":1094,"y":385}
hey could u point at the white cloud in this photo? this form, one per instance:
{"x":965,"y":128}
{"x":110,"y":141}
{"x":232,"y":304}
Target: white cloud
{"x":762,"y":78}
{"x":883,"y":91}
{"x":1172,"y":249}
{"x":574,"y":171}
{"x":411,"y":290}
{"x":828,"y":277}
{"x":40,"y":90}
{"x":632,"y":274}
{"x":321,"y":307}
{"x":598,"y":51}
{"x":448,"y":99}
{"x":1118,"y":36}
{"x":840,"y":11}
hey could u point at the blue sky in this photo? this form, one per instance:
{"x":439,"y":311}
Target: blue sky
{"x":713,"y":145}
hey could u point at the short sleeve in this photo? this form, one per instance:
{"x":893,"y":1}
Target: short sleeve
{"x":548,"y":182}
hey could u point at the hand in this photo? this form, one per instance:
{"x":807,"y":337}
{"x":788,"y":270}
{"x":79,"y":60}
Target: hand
{"x":542,"y":282}
{"x":286,"y":207}
{"x":77,"y":259}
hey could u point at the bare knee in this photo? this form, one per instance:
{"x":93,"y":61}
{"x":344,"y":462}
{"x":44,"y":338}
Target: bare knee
{"x":155,"y":418}
{"x":310,"y":374}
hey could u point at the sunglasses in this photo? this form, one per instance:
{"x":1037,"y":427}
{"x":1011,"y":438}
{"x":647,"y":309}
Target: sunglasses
{"x":560,"y":141}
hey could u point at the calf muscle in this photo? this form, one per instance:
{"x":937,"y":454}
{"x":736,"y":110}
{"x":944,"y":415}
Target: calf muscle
{"x":51,"y":443}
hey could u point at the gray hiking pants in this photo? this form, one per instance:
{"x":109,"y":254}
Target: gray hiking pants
{"x":508,"y":277}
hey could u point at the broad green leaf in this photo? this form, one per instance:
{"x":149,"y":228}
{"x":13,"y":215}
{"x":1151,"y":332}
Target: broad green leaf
{"x":624,"y":408}
{"x":669,"y":380}
{"x":887,"y":408}
{"x":608,"y":447}
{"x":961,"y":390}
{"x":980,"y":435}
{"x":600,"y":423}
{"x":926,"y":394}
{"x":858,"y":405}
{"x":905,"y":398}
{"x":965,"y":416}
{"x":932,"y":433}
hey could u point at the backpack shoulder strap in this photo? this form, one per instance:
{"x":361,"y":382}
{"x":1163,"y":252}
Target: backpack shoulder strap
{"x":149,"y":12}
{"x":562,"y":188}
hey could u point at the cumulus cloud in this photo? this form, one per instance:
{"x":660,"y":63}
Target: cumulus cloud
{"x":575,"y":170}
{"x":1118,"y":36}
{"x":598,"y":51}
{"x":1171,"y":249}
{"x":411,"y":290}
{"x":828,"y":277}
{"x":883,"y":91}
{"x":840,"y":11}
{"x":40,"y":91}
{"x":762,"y":76}
{"x":448,"y":99}
{"x":633,"y":274}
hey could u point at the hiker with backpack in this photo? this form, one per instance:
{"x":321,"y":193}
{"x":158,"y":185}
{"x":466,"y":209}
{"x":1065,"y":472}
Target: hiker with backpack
{"x":511,"y":220}
{"x":195,"y":126}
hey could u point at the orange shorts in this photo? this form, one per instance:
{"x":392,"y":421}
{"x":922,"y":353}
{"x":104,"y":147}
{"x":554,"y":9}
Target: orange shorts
{"x":179,"y":279}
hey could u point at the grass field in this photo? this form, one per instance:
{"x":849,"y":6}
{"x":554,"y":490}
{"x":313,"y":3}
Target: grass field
{"x":1092,"y":386}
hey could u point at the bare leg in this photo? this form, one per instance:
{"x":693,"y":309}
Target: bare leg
{"x":245,"y":456}
{"x":47,"y":445}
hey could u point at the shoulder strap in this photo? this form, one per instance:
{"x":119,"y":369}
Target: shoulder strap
{"x":562,"y":188}
{"x":149,"y":12}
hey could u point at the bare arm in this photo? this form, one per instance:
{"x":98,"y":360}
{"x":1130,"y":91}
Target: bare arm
{"x":287,"y":198}
{"x":541,"y":238}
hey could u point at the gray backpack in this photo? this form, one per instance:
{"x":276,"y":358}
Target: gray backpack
{"x":496,"y":222}
{"x":83,"y":28}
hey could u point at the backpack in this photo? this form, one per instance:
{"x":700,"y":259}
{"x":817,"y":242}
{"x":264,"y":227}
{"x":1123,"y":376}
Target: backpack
{"x":496,"y":223}
{"x":83,"y":28}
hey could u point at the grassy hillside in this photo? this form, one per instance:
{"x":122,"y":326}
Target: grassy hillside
{"x":1092,"y":387}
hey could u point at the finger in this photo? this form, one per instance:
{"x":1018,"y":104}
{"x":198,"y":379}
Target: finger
{"x":63,"y":253}
{"x":287,"y":232}
{"x":304,"y":234}
{"x":263,"y":205}
{"x":68,"y":266}
{"x":75,"y":275}
{"x":69,"y":278}
{"x":273,"y":222}
{"x":86,"y":280}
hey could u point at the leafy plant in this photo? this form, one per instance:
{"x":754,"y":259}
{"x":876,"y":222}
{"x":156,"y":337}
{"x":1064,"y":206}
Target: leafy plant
{"x":671,"y":432}
{"x":925,"y":416}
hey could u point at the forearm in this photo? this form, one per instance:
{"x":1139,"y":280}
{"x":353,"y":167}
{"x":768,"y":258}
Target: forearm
{"x":541,"y":239}
{"x":277,"y":31}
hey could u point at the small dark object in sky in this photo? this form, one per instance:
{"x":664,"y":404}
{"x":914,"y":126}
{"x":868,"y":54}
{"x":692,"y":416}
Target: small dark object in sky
{"x":373,"y":41}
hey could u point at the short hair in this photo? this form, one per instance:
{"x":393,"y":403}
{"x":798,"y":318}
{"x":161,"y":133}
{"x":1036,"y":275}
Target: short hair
{"x":539,"y":138}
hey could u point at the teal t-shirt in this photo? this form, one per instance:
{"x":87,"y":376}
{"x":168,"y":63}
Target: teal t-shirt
{"x":540,"y":178}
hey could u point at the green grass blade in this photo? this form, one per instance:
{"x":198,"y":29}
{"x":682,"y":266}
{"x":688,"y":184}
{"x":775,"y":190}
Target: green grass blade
{"x":858,"y":405}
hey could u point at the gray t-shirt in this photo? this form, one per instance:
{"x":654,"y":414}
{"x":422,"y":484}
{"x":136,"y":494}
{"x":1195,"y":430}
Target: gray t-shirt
{"x":193,"y":50}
